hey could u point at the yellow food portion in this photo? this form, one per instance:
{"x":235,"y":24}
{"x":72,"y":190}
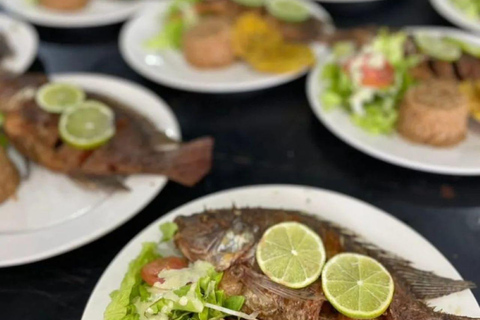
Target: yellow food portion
{"x":262,"y":46}
{"x":472,"y":91}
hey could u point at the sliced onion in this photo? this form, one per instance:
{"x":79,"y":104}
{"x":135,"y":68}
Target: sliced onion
{"x":231,"y":312}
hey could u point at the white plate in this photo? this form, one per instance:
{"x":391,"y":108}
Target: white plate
{"x":455,"y":16}
{"x":52,"y":214}
{"x":97,"y":13}
{"x":171,"y":69}
{"x":368,"y":221}
{"x":23,"y":40}
{"x":463,"y":159}
{"x":347,"y":1}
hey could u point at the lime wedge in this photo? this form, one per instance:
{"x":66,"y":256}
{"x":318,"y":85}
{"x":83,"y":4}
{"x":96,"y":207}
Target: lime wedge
{"x":57,"y":97}
{"x":291,"y":254}
{"x":357,"y":286}
{"x":250,"y":3}
{"x":87,"y":126}
{"x":288,"y":10}
{"x":438,"y":48}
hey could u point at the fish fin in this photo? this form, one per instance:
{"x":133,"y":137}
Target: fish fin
{"x":109,"y":183}
{"x":424,"y":285}
{"x":190,"y":162}
{"x":255,"y":280}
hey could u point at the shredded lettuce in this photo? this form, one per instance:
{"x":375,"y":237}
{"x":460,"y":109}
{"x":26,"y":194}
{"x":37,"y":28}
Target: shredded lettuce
{"x":179,"y":17}
{"x":195,"y":297}
{"x":122,"y":305}
{"x":379,"y":108}
{"x":169,"y":229}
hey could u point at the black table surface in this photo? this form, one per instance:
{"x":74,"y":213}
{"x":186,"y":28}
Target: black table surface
{"x":265,"y":137}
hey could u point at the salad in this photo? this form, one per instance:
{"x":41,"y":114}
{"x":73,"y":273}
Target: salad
{"x":471,"y":8}
{"x":162,"y":284}
{"x":369,"y":83}
{"x":170,"y":288}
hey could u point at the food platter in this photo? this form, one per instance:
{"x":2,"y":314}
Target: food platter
{"x":458,"y":160}
{"x":171,"y":69}
{"x":49,"y":204}
{"x":373,"y":224}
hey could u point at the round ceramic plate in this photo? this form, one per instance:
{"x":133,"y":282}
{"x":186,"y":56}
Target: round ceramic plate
{"x":170,"y":68}
{"x":51,"y":214}
{"x":462,"y":159}
{"x":347,"y":1}
{"x":364,"y":219}
{"x":23,"y":41}
{"x":455,"y":16}
{"x":96,"y":13}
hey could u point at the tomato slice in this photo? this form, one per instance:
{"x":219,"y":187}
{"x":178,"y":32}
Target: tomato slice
{"x":378,"y":78}
{"x":150,"y":271}
{"x":374,"y":77}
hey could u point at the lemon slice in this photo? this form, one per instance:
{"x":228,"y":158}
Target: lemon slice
{"x":291,"y":254}
{"x":57,"y":97}
{"x":439,"y":48}
{"x":288,"y":10}
{"x":357,"y":286}
{"x":87,"y":126}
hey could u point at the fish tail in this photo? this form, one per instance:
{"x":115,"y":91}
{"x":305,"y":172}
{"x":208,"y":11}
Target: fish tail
{"x":190,"y":162}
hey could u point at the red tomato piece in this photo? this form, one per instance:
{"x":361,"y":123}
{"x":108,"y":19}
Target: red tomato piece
{"x":378,"y":78}
{"x":374,"y":77}
{"x":150,"y":271}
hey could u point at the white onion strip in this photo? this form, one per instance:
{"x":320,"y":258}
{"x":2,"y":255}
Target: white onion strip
{"x":231,"y":312}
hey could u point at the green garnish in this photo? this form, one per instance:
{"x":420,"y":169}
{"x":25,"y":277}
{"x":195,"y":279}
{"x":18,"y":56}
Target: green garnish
{"x":471,"y":8}
{"x":379,"y":108}
{"x":122,"y":305}
{"x":169,"y":229}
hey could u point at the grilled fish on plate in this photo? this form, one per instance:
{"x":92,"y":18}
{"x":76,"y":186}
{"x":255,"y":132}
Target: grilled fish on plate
{"x":137,"y":147}
{"x":227,"y":239}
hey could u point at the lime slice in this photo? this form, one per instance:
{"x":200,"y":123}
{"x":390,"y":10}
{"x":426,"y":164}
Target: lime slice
{"x":87,"y":126}
{"x":438,"y":48}
{"x":357,"y":286}
{"x":250,"y":3}
{"x":467,"y":47}
{"x":57,"y":97}
{"x":288,"y":10}
{"x":291,"y":254}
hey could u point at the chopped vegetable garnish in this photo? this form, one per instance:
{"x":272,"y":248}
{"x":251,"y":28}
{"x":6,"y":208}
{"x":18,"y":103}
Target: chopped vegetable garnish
{"x":122,"y":305}
{"x":168,"y":230}
{"x":371,"y":82}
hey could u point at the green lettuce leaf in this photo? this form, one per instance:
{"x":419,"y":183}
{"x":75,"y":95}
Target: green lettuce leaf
{"x":169,"y":229}
{"x":121,"y":306}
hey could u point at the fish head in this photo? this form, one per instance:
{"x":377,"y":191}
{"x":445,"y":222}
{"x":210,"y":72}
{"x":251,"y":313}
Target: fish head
{"x":221,"y":238}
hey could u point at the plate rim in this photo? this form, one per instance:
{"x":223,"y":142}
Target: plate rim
{"x":318,"y":110}
{"x":111,"y":267}
{"x":74,"y":24}
{"x":34,"y":38}
{"x":186,"y":85}
{"x":74,"y":243}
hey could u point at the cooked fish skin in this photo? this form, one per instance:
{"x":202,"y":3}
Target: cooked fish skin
{"x":137,"y":148}
{"x":227,"y":239}
{"x":9,"y":177}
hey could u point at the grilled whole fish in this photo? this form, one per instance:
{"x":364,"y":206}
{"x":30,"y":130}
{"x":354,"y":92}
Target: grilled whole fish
{"x":227,"y":239}
{"x":137,"y":147}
